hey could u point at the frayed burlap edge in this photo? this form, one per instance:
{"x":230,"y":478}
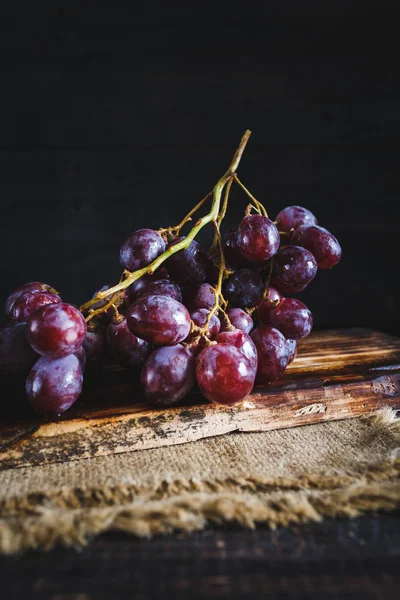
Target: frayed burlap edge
{"x":71,"y":517}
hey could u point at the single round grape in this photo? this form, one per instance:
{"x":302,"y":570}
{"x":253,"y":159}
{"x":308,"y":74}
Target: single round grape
{"x":257,"y":238}
{"x":320,"y":242}
{"x":94,"y":345}
{"x":140,"y":249}
{"x":126,"y":348}
{"x":292,"y":217}
{"x":133,"y":291}
{"x":168,"y":375}
{"x":272,"y":351}
{"x":26,"y":304}
{"x":199,"y":318}
{"x":243,"y":288}
{"x":224,"y":374}
{"x":16,"y":355}
{"x":294,"y":268}
{"x":160,"y":320}
{"x":199,"y":296}
{"x":292,"y":318}
{"x":81,"y":356}
{"x":36,"y":286}
{"x":292,"y":350}
{"x":243,"y":342}
{"x":272,"y":300}
{"x":232,"y":253}
{"x":161,"y":287}
{"x":188,"y":266}
{"x":240,"y":319}
{"x":56,"y":330}
{"x":53,"y":385}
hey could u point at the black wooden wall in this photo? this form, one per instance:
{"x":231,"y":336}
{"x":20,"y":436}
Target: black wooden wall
{"x":115,"y":117}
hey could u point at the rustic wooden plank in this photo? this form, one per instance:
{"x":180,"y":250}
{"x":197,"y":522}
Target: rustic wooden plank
{"x":337,"y":375}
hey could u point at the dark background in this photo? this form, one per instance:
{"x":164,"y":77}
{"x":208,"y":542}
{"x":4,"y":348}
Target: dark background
{"x":116,"y":116}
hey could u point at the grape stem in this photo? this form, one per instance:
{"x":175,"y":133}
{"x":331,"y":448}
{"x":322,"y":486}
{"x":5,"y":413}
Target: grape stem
{"x":259,"y":206}
{"x":183,"y":244}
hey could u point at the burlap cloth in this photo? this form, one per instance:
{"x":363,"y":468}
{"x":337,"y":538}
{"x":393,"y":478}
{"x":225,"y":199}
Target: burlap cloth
{"x":278,"y":478}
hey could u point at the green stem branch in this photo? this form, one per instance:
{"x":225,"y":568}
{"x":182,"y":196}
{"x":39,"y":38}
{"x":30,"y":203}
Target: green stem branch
{"x":185,"y":243}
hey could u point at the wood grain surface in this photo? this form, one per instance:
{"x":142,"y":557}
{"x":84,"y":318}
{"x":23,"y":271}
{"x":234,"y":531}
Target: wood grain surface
{"x":337,"y":375}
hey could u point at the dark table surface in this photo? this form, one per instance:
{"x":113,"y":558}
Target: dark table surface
{"x":336,"y":559}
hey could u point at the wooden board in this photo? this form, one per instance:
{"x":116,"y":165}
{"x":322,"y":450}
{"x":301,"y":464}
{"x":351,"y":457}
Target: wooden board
{"x":337,"y":374}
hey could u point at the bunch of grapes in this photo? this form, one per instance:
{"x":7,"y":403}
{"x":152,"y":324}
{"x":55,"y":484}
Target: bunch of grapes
{"x":222,"y":318}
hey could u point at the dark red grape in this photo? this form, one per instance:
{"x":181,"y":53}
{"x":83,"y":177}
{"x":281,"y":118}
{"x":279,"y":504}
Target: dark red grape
{"x":199,"y":296}
{"x":320,"y":242}
{"x":132,"y":292}
{"x":168,"y":375}
{"x":53,"y":385}
{"x":161,"y":287}
{"x":242,"y":341}
{"x":159,"y":320}
{"x":292,"y":217}
{"x":56,"y":330}
{"x":188,"y":266}
{"x":257,"y":238}
{"x":233,"y":255}
{"x":140,"y":249}
{"x":292,"y":318}
{"x":240,"y":319}
{"x":292,"y":350}
{"x":36,"y":286}
{"x":272,"y":350}
{"x":273,"y":298}
{"x":195,"y":342}
{"x":81,"y":356}
{"x":94,"y":345}
{"x":16,"y":355}
{"x":126,"y":348}
{"x":26,"y":304}
{"x":243,"y":288}
{"x":224,"y":374}
{"x":294,"y":268}
{"x":199,"y":318}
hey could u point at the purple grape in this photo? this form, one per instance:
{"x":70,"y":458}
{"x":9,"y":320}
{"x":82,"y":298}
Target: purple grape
{"x":199,"y":296}
{"x":56,"y":330}
{"x":257,"y":238}
{"x":126,"y":348}
{"x":292,"y":318}
{"x":16,"y":355}
{"x":224,"y":374}
{"x":188,"y":266}
{"x":292,"y":217}
{"x":159,"y":320}
{"x":199,"y":318}
{"x":273,"y":298}
{"x":168,"y":375}
{"x":243,"y":288}
{"x":243,"y":342}
{"x":161,"y":287}
{"x":195,"y":342}
{"x":36,"y":286}
{"x":233,"y":255}
{"x":94,"y":345}
{"x":294,"y":268}
{"x":292,"y":350}
{"x":272,"y":350}
{"x":320,"y":242}
{"x":81,"y":356}
{"x":140,"y":249}
{"x":27,"y":303}
{"x":53,"y":385}
{"x":240,"y":319}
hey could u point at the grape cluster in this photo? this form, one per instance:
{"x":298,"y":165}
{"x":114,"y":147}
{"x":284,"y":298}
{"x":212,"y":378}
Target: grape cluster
{"x":221,"y":318}
{"x":174,"y":324}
